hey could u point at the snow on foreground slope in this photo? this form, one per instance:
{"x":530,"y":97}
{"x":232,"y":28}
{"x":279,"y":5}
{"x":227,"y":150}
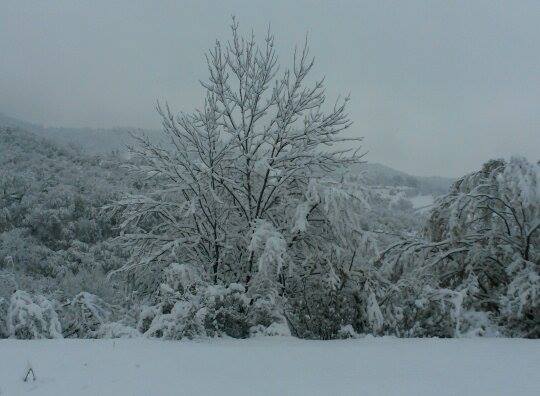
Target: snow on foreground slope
{"x":272,"y":366}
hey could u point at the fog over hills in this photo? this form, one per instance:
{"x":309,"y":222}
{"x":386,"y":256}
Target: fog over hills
{"x":92,"y":141}
{"x":101,"y":141}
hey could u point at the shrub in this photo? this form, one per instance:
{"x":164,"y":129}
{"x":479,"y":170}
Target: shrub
{"x":32,"y":317}
{"x":84,"y":314}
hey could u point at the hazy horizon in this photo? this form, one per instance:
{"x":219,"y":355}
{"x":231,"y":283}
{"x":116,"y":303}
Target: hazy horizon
{"x":436,"y":88}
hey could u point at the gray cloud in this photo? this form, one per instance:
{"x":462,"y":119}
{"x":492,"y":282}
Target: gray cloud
{"x":437,"y":87}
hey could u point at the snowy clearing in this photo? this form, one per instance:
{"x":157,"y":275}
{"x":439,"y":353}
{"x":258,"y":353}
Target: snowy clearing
{"x":272,"y":366}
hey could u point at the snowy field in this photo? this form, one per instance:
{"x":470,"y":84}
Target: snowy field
{"x":272,"y":366}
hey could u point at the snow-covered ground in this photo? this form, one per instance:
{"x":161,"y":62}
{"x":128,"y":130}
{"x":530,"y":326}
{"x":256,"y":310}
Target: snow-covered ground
{"x":272,"y":366}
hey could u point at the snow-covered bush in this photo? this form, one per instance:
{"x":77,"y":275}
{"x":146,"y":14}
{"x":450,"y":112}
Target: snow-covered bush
{"x":178,"y":311}
{"x":31,"y":317}
{"x":227,"y":311}
{"x":212,"y":312}
{"x":275,"y":329}
{"x":188,"y":306}
{"x":146,"y":315}
{"x":266,"y":315}
{"x":346,"y":332}
{"x":520,"y":306}
{"x":184,"y":320}
{"x":83,"y":315}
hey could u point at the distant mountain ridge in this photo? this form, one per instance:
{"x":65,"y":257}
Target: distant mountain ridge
{"x":92,"y":140}
{"x":99,"y":141}
{"x":375,"y":174}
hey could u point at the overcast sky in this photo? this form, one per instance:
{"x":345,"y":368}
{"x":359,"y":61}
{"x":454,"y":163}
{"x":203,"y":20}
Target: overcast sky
{"x":436,"y":87}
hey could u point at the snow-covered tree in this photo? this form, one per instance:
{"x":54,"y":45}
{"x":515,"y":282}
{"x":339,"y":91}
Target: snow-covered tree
{"x":479,"y":258}
{"x":242,"y":186}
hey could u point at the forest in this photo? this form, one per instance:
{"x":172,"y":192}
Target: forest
{"x":259,"y":214}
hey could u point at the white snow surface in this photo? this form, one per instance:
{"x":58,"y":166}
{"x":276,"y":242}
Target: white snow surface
{"x":272,"y":366}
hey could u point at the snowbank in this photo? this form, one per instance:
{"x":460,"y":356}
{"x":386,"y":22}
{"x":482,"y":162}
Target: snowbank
{"x":272,"y":366}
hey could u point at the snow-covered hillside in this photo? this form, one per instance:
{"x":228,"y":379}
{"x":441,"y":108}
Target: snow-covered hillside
{"x":401,"y":190}
{"x":91,"y":140}
{"x":272,"y":366}
{"x":374,"y":174}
